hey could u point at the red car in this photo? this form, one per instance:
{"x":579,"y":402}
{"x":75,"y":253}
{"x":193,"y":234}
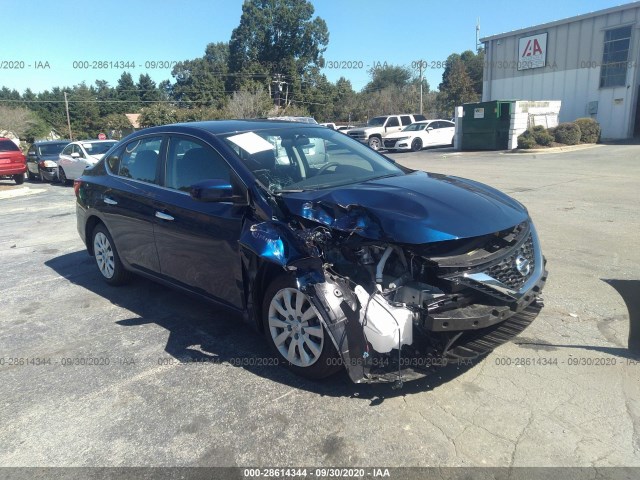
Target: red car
{"x":12,"y":162}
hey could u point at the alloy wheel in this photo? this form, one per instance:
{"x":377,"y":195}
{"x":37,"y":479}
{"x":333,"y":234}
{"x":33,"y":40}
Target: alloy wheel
{"x":295,"y":327}
{"x":104,"y":255}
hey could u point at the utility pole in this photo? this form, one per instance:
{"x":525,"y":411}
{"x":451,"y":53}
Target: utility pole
{"x":478,"y":35}
{"x":279,"y":81}
{"x":66,"y":105}
{"x":421,"y":65}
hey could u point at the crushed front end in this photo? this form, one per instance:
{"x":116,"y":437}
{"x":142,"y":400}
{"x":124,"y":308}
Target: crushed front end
{"x":394,"y":311}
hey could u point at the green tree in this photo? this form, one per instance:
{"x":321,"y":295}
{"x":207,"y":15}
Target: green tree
{"x":126,"y":94}
{"x":158,"y":114}
{"x":83,"y":111}
{"x":277,"y":37}
{"x":388,"y":76}
{"x":456,"y":87}
{"x":201,"y":82}
{"x":114,"y":124}
{"x":474,"y":64}
{"x":147,"y":90}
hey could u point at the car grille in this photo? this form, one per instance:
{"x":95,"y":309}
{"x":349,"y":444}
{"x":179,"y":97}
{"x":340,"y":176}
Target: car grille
{"x":356,"y":135}
{"x":389,"y":143}
{"x":506,"y":272}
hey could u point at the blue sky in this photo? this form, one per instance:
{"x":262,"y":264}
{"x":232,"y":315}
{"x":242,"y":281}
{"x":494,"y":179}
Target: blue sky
{"x":361,"y":31}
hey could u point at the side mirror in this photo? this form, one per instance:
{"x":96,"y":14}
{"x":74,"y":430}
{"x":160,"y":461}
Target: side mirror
{"x":75,"y":155}
{"x":429,"y":129}
{"x":214,"y":190}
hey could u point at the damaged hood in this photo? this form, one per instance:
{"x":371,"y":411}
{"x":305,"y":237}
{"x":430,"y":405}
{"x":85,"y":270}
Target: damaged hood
{"x":415,"y":208}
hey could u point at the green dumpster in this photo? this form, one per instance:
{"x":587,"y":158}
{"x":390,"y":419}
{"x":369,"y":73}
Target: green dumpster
{"x":485,"y":125}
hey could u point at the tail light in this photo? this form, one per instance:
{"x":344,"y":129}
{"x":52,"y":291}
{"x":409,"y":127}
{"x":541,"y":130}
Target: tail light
{"x":76,"y":186}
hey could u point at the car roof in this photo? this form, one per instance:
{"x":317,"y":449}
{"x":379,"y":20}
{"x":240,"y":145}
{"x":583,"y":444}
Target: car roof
{"x":220,"y":127}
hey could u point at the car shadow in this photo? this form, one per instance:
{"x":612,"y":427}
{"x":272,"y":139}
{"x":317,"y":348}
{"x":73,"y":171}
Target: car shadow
{"x":200,"y":331}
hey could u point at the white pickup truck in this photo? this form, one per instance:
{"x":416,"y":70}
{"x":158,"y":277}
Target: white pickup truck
{"x":379,"y":127}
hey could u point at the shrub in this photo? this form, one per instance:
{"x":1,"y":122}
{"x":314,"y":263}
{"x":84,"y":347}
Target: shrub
{"x":590,"y":130}
{"x":526,"y":140}
{"x":568,"y":134}
{"x":542,"y":136}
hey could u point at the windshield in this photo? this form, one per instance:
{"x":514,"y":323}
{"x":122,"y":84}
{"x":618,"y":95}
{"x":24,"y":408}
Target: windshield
{"x":414,"y":127}
{"x":299,"y":158}
{"x":376,"y":121}
{"x":97,"y":148}
{"x":51,"y":148}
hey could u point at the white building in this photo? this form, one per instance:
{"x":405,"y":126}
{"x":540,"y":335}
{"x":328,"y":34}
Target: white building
{"x":589,"y":62}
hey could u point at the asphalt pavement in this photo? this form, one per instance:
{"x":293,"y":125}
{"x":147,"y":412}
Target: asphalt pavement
{"x":93,"y":375}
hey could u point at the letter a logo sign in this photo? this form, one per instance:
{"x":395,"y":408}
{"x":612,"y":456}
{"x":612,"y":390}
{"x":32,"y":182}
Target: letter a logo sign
{"x":532,"y":51}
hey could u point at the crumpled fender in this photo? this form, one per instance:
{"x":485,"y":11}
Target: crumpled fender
{"x":273,"y":242}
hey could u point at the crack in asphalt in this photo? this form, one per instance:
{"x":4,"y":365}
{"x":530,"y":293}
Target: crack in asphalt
{"x":519,"y":439}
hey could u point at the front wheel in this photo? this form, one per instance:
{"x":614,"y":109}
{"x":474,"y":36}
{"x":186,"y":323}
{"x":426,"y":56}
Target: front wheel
{"x":416,"y":145}
{"x":31,"y":176}
{"x":62,"y":176}
{"x":107,"y":258}
{"x":295,"y":333}
{"x":19,"y":179}
{"x":375,"y":143}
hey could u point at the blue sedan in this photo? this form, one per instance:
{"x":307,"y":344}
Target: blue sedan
{"x":341,"y":258}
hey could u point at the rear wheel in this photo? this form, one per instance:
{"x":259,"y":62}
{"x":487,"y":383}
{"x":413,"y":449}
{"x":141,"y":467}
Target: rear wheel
{"x":107,"y":258}
{"x":416,"y":145}
{"x":294,"y":331}
{"x":19,"y":179}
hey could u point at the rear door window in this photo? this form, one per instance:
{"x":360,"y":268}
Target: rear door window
{"x":139,"y":160}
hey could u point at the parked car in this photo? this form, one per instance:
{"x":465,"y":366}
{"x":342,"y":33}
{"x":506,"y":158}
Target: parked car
{"x":295,"y":119}
{"x":42,"y":159}
{"x":339,"y":128}
{"x":352,"y":261}
{"x":12,"y":161}
{"x":414,"y":137}
{"x":79,"y":155}
{"x":379,"y":127}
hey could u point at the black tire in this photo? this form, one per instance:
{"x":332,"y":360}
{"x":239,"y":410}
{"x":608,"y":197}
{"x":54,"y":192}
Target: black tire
{"x":326,"y":363}
{"x":375,"y":143}
{"x":416,"y":145}
{"x":108,"y":254}
{"x":62,"y":177}
{"x":31,"y":176}
{"x":19,"y":179}
{"x":42,"y":179}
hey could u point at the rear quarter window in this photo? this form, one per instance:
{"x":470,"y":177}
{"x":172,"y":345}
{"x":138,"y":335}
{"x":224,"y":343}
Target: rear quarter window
{"x":8,"y":146}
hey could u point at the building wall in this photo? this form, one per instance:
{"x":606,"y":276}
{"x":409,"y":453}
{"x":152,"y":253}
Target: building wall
{"x":572,"y":71}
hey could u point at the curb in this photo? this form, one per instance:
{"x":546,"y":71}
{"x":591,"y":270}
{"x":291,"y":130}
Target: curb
{"x":543,"y":151}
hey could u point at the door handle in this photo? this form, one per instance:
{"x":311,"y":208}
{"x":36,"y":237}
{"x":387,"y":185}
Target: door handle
{"x":109,"y":201}
{"x":164,"y":216}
